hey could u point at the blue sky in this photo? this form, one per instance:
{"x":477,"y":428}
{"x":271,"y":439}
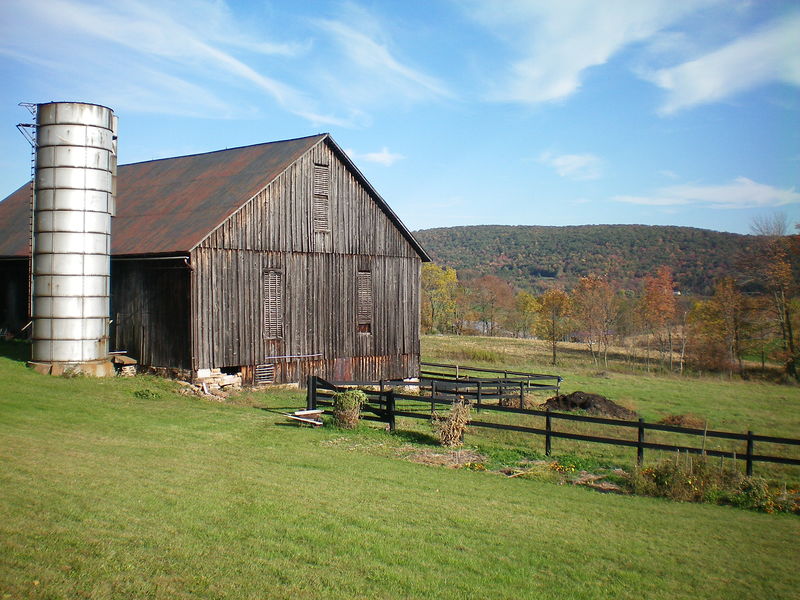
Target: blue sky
{"x":460,"y":112}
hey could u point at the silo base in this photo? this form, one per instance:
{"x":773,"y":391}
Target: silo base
{"x":95,"y":368}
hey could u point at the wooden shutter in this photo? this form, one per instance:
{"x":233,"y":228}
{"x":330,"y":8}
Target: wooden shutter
{"x":320,"y":208}
{"x":265,"y":374}
{"x":364,"y":301}
{"x":273,"y":304}
{"x":322,"y":180}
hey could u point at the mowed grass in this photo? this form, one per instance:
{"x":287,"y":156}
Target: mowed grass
{"x":121,"y":488}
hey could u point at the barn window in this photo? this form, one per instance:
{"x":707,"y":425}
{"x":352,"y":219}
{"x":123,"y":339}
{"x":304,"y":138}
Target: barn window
{"x":320,"y":208}
{"x":364,"y":302}
{"x":273,"y":304}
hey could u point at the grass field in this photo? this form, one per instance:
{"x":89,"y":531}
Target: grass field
{"x":122,"y":488}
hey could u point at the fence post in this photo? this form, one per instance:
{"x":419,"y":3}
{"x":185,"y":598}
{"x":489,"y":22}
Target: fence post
{"x":479,"y":397}
{"x":749,"y":455}
{"x":311,"y":395}
{"x":639,"y":447}
{"x":521,"y":396}
{"x":433,"y":396}
{"x":548,"y":426}
{"x":390,"y":409}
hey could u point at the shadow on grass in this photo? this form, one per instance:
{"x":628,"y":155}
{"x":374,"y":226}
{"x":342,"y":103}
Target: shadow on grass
{"x":15,"y":350}
{"x":417,"y":437}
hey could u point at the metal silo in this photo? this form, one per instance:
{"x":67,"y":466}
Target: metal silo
{"x":73,"y":203}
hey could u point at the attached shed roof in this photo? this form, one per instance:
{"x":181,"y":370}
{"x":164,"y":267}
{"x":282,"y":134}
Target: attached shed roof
{"x":169,"y":206}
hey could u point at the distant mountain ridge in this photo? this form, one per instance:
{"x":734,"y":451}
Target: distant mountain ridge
{"x":534,"y":257}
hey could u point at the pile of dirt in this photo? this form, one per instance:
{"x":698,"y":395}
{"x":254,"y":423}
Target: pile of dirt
{"x":688,"y":420}
{"x":594,"y":404}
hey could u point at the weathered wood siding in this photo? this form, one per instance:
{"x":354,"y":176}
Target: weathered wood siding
{"x":150,"y":311}
{"x":319,"y":270}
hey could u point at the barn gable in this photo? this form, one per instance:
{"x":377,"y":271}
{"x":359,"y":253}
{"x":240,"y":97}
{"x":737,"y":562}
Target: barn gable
{"x":285,"y":215}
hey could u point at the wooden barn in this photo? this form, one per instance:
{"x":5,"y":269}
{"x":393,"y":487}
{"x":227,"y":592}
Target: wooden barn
{"x":277,"y":260}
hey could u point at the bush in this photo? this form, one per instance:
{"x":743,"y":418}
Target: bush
{"x":451,"y":427}
{"x":347,"y":408}
{"x":700,"y":479}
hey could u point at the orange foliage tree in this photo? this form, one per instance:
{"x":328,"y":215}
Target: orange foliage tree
{"x":596,"y":305}
{"x":659,"y":308}
{"x":718,"y":326}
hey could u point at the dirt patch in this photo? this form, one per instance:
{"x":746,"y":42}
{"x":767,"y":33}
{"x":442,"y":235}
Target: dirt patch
{"x":594,"y":404}
{"x":453,"y":458}
{"x":689,"y":420}
{"x":596,"y":482}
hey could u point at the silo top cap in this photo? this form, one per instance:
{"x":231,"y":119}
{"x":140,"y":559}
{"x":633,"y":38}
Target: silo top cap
{"x":74,"y":113}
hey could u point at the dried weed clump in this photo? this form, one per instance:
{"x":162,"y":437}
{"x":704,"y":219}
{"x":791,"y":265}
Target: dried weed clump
{"x":699,"y":479}
{"x":347,"y":408}
{"x":451,"y":427}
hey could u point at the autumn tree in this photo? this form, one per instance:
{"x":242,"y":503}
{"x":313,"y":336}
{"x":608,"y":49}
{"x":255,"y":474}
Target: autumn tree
{"x":525,"y":313}
{"x":439,"y":291}
{"x":774,"y":266}
{"x":492,"y":299}
{"x":596,"y":306}
{"x":554,"y":308}
{"x":782,"y":286}
{"x":659,"y":309}
{"x":718,"y":327}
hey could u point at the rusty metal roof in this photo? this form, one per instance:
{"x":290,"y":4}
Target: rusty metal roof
{"x":169,"y":206}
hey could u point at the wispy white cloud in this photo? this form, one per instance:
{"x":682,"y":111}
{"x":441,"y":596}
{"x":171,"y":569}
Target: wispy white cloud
{"x":739,"y":193}
{"x":557,"y":41}
{"x":181,"y":46}
{"x":368,"y":67}
{"x":383,"y":157}
{"x":573,"y":166}
{"x":767,"y":55}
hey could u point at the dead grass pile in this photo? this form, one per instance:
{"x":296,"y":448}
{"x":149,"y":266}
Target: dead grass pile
{"x":451,"y":427}
{"x":452,"y":458}
{"x":347,"y":408}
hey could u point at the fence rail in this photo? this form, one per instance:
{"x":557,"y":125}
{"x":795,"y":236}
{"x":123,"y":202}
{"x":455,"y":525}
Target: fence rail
{"x":382,"y":403}
{"x":457,"y":380}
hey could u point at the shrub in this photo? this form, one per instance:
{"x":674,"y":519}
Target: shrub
{"x":347,"y":408}
{"x":700,"y":479}
{"x":451,"y":427}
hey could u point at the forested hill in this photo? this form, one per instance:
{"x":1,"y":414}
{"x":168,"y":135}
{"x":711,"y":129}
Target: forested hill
{"x":533,"y":257}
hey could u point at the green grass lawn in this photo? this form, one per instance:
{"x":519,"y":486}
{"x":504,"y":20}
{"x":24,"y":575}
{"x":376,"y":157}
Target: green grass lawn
{"x":122,"y":488}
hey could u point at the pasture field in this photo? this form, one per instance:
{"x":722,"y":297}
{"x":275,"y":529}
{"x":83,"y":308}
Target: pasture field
{"x":723,"y":403}
{"x":122,"y":488}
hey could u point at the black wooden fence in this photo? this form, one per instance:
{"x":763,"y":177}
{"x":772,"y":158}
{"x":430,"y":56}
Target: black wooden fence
{"x":382,"y":401}
{"x":454,"y":380}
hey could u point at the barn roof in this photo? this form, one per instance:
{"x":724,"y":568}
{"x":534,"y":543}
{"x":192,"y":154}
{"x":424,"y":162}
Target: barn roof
{"x":170,"y":205}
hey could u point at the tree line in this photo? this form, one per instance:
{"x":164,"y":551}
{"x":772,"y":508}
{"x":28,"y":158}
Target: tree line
{"x":752,"y":317}
{"x":537,"y":257}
